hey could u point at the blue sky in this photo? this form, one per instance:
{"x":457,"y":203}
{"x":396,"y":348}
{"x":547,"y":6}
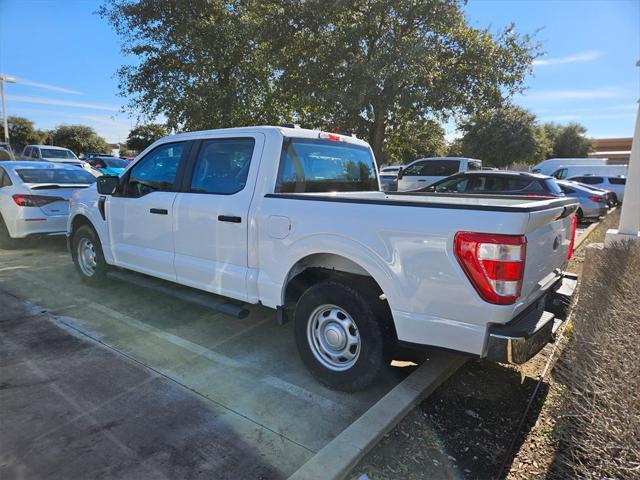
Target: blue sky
{"x":65,"y":58}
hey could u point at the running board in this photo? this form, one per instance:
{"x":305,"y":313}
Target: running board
{"x":211,"y":301}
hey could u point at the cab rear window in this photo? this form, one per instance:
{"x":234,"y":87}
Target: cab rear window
{"x":310,"y":165}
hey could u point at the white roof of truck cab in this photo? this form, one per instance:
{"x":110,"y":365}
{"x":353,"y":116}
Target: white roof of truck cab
{"x":267,"y":129}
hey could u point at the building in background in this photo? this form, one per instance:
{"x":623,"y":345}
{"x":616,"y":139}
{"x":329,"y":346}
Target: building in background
{"x":616,"y":150}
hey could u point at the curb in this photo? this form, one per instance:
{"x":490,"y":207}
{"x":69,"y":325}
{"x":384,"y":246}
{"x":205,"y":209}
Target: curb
{"x":589,"y":231}
{"x":338,"y":457}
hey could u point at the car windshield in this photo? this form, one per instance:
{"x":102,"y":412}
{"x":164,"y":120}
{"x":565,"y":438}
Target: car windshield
{"x":309,"y":165}
{"x":114,"y":162}
{"x":58,"y":176}
{"x":55,"y":153}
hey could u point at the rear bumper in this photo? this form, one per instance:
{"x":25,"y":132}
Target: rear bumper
{"x":525,"y":335}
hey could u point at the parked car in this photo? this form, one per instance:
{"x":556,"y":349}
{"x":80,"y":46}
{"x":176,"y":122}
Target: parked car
{"x":547,"y":167}
{"x":389,"y":178}
{"x":50,"y":153}
{"x":89,"y":155}
{"x":497,"y":183}
{"x":425,"y":171}
{"x":572,"y":171}
{"x":293,"y":219}
{"x":34,"y":198}
{"x":611,"y":184}
{"x":106,"y":166}
{"x":610,"y":196}
{"x":6,"y":152}
{"x":593,"y":205}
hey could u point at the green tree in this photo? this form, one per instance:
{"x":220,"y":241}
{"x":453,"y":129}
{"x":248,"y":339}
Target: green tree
{"x":504,"y":136}
{"x":360,"y":65}
{"x":78,"y":138}
{"x":365,"y":66}
{"x":201,"y":64}
{"x":409,"y":141}
{"x":22,"y":132}
{"x":142,"y":136}
{"x":569,"y":141}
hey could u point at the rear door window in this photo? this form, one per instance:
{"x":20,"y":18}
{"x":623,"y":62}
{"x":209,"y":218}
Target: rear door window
{"x":589,"y":180}
{"x":553,"y":186}
{"x":439,"y":168}
{"x":310,"y":165}
{"x":617,"y":181}
{"x":222,"y":165}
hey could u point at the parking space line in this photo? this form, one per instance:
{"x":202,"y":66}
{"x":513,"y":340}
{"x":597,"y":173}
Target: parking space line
{"x":282,"y":385}
{"x":195,"y":392}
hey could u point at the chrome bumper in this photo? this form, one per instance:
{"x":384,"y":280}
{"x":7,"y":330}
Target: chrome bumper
{"x":528,"y":333}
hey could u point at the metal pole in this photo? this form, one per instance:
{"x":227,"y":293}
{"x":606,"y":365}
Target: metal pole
{"x":4,"y":111}
{"x":630,"y":215}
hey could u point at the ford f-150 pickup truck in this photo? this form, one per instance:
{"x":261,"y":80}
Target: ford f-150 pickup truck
{"x":294,"y":219}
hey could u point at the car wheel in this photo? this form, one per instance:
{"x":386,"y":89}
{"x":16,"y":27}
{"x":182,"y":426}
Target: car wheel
{"x":580,"y":215}
{"x":339,"y":338}
{"x":86,"y":251}
{"x":6,"y":242}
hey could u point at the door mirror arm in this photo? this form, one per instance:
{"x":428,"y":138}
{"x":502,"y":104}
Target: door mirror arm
{"x":400,"y":173}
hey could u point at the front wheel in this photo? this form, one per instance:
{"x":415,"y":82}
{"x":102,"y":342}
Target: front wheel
{"x":339,"y":337}
{"x":86,"y":251}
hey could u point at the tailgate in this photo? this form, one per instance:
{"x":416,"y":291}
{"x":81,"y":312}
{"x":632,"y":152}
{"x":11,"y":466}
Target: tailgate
{"x":548,"y":239}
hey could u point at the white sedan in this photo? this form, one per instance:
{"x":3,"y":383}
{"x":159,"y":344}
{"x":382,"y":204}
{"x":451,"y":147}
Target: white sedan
{"x":34,"y":198}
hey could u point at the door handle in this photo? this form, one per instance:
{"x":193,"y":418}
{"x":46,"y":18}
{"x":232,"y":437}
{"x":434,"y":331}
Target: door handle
{"x":422,"y":180}
{"x":159,"y":211}
{"x":229,"y":218}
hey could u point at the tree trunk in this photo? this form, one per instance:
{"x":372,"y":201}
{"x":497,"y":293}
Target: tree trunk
{"x":376,"y":137}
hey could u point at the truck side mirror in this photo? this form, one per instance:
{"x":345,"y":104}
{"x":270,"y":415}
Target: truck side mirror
{"x":400,"y":173}
{"x":107,"y":184}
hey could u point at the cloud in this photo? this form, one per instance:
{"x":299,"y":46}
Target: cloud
{"x":587,"y":94}
{"x":587,"y":56}
{"x":61,"y":103}
{"x":45,"y":86}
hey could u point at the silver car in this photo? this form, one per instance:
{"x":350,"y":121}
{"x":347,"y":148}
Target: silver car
{"x":34,"y":198}
{"x":592,"y":204}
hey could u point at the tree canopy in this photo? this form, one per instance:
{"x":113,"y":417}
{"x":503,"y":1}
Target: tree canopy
{"x":78,"y":138}
{"x":505,"y":136}
{"x":142,"y":136}
{"x":22,"y":132}
{"x":568,"y":141}
{"x":371,"y":67}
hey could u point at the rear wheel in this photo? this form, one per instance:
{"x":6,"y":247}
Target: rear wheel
{"x":580,"y":215}
{"x":339,"y":337}
{"x":6,"y":242}
{"x":86,"y":251}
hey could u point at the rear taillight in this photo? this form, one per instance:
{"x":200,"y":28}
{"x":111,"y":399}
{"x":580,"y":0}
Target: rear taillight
{"x":595,"y":198}
{"x":574,"y":226}
{"x":35,"y":200}
{"x":493,"y":263}
{"x":334,"y":137}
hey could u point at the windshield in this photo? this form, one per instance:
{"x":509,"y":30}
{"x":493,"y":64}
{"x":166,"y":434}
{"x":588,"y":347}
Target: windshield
{"x":55,"y":175}
{"x":309,"y":165}
{"x":114,"y":162}
{"x":55,"y":153}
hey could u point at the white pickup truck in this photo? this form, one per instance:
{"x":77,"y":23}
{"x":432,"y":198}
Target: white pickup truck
{"x":294,"y":219}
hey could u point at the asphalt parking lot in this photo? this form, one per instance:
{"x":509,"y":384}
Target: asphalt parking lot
{"x":135,"y":383}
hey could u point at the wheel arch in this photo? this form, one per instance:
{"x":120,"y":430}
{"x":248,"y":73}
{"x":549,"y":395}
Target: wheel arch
{"x":316,"y":267}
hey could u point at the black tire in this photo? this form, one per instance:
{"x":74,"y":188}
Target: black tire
{"x":6,"y":242}
{"x":580,"y":216}
{"x":101,"y":267}
{"x":374,"y":345}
